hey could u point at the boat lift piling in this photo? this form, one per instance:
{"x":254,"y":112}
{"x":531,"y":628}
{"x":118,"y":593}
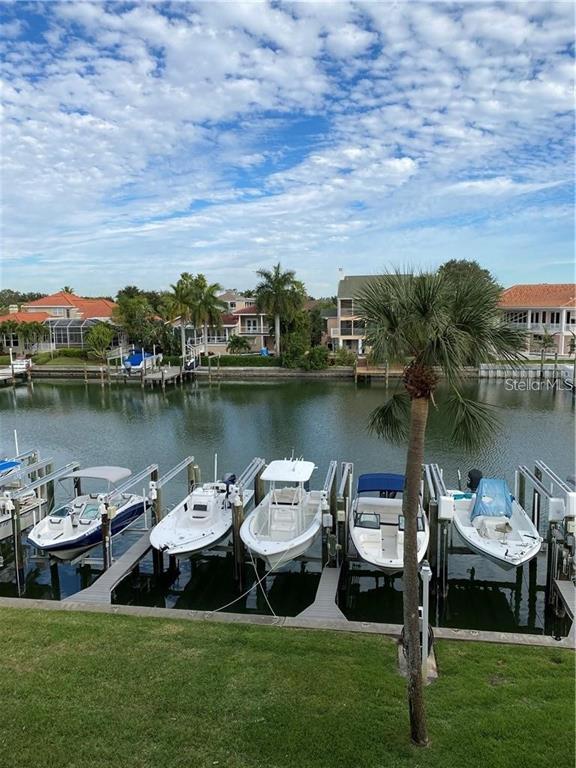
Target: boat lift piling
{"x":252,"y":475}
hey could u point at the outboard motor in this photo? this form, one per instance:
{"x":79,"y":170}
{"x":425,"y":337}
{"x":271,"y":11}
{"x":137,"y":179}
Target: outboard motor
{"x":229,"y":479}
{"x":474,"y":477}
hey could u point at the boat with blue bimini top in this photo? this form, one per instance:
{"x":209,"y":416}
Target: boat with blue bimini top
{"x":77,"y":525}
{"x":377,"y":524}
{"x":289,"y":517}
{"x":492,"y":523}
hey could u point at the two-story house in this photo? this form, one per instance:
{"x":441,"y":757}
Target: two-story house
{"x":542,"y":308}
{"x":67,"y":317}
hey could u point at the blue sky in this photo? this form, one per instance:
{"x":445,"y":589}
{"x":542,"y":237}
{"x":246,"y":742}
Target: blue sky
{"x":142,"y":140}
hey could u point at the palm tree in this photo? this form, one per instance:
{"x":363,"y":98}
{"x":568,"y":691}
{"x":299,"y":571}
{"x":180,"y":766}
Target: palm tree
{"x":238,"y":344}
{"x":280,"y":295}
{"x":207,"y":307}
{"x":431,"y":325}
{"x":180,"y":304}
{"x":33,"y":333}
{"x":67,"y":289}
{"x":8,"y":329}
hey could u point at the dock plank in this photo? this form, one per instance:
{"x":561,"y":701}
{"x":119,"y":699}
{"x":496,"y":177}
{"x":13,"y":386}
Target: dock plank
{"x":567,"y":591}
{"x":324,"y":605}
{"x":101,"y":590}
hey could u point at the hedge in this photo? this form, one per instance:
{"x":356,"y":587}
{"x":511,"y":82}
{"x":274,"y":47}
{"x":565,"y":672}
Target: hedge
{"x":248,"y":361}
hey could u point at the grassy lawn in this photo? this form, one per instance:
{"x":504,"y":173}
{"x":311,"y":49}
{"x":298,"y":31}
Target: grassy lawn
{"x":85,"y":690}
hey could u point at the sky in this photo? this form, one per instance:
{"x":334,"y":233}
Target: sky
{"x":140,"y":140}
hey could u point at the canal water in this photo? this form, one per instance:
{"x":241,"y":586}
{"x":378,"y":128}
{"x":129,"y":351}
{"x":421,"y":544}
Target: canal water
{"x":319,"y":420}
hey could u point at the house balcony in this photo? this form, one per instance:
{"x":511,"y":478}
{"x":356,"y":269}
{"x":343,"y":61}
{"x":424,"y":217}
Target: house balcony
{"x":538,"y":327}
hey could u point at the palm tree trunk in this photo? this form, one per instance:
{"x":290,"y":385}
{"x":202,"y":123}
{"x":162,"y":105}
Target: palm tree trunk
{"x":418,"y":418}
{"x":277,"y":334}
{"x":183,"y":340}
{"x":205,"y":334}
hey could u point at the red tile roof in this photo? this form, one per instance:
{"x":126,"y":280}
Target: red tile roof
{"x":229,"y":320}
{"x":87,"y":307}
{"x":539,"y":295}
{"x":248,"y":311}
{"x":25,"y":317}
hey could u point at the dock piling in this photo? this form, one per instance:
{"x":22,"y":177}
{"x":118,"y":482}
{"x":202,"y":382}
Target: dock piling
{"x":239,"y":554}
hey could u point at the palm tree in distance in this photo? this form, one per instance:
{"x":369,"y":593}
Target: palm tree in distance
{"x":207,"y":307}
{"x":280,"y":295}
{"x":67,"y":289}
{"x":180,"y":305}
{"x":432,"y":325}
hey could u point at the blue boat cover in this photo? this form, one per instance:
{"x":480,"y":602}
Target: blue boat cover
{"x":136,"y":358}
{"x":379,"y":481}
{"x":493,"y":499}
{"x":5,"y":465}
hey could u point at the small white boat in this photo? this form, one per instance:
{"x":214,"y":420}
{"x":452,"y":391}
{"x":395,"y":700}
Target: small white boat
{"x":289,"y":517}
{"x":376,"y":522}
{"x":77,"y":525}
{"x":198,"y":522}
{"x":491,"y":522}
{"x":31,"y":505}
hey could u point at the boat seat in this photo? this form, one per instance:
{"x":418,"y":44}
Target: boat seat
{"x":282,"y":522}
{"x":492,"y":527}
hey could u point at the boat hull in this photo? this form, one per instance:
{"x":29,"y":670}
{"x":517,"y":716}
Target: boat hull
{"x":28,"y":518}
{"x":203,"y":541}
{"x":72,"y":546}
{"x":499,"y":560}
{"x":274,"y":560}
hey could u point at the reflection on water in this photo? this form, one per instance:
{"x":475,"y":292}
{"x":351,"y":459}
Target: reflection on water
{"x":124,"y":425}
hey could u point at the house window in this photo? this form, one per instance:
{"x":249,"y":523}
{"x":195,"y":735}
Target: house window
{"x":555,"y":318}
{"x":534,"y":317}
{"x":346,"y":307}
{"x":232,"y":304}
{"x":251,"y":325}
{"x":543,"y":317}
{"x":571,"y":318}
{"x":346,"y":328}
{"x":516,"y":317}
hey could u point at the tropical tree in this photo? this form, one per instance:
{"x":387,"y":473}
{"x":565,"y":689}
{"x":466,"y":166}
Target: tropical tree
{"x":572,"y":344}
{"x":207,"y":307}
{"x":280,"y":295}
{"x":8,"y":329}
{"x":430,"y":324}
{"x":179,"y":305}
{"x":33,"y":333}
{"x":136,"y":317}
{"x":238,"y":344}
{"x":67,"y":289}
{"x":99,"y":338}
{"x":546,"y":342}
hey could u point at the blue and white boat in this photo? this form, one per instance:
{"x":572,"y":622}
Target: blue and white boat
{"x":136,"y":361}
{"x":376,"y":522}
{"x":77,"y":525}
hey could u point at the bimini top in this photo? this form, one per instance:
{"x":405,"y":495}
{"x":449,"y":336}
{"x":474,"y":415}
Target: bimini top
{"x":6,"y":465}
{"x":289,"y":471}
{"x":380,"y":481}
{"x":493,"y":499}
{"x":110,"y":474}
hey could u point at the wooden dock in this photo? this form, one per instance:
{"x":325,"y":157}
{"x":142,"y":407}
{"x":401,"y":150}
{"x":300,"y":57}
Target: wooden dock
{"x":324,"y":605}
{"x":101,"y":591}
{"x":567,"y":593}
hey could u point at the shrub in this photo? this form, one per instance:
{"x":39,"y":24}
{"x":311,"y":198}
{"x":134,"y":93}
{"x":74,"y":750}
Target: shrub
{"x":344,"y":356}
{"x":316,"y":360}
{"x":249,"y":361}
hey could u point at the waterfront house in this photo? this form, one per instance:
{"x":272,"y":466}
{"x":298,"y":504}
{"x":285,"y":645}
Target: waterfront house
{"x":67,"y":317}
{"x":542,"y":309}
{"x":347,"y":329}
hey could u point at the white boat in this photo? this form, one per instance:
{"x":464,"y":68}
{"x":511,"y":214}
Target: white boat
{"x":376,"y":522}
{"x":30,"y":511}
{"x":77,"y":525}
{"x":198,"y":522}
{"x":491,"y":522}
{"x":289,"y":517}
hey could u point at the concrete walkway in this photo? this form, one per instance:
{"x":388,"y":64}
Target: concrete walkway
{"x":294,"y":622}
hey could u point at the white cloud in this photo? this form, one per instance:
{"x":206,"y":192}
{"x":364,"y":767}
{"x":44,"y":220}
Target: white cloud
{"x":222,"y":135}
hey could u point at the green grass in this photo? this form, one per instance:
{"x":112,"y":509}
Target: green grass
{"x":96,"y":690}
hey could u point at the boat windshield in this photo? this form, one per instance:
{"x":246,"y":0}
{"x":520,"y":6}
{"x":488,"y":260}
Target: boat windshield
{"x":61,"y":512}
{"x":90,"y":512}
{"x":289,"y":495}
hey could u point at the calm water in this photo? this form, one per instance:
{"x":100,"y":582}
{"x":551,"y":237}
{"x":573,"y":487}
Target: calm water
{"x":319,"y":420}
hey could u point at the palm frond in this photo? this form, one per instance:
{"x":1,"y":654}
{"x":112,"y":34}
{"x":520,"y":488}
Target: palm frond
{"x":474,"y":424}
{"x":391,"y":420}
